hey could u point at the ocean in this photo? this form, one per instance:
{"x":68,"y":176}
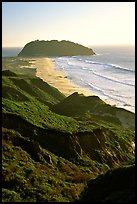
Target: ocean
{"x":110,"y":74}
{"x":10,"y":51}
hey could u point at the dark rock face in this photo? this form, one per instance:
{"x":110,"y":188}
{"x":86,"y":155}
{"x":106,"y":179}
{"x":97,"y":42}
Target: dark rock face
{"x":54,"y":48}
{"x":94,"y":144}
{"x":115,"y":186}
{"x":99,"y":146}
{"x":62,"y":144}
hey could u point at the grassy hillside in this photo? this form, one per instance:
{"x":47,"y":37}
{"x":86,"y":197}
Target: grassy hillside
{"x":77,"y":105}
{"x":50,"y":153}
{"x":31,"y":173}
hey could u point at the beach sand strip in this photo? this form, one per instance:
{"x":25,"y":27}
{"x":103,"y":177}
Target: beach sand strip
{"x":45,"y":70}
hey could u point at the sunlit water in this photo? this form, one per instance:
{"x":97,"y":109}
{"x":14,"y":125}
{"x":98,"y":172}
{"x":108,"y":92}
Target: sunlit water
{"x":110,"y":74}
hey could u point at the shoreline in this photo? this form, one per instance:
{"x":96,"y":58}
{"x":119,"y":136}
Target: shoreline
{"x":45,"y":70}
{"x":43,"y":67}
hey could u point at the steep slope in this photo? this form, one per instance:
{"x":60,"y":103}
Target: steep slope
{"x":116,"y":185}
{"x":79,"y":105}
{"x":19,"y":87}
{"x":51,"y":157}
{"x":31,"y":173}
{"x":54,"y":48}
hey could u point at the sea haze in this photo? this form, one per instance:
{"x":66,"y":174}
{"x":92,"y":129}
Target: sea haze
{"x":10,"y":51}
{"x":110,"y":74}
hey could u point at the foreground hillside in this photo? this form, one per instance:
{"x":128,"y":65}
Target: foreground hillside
{"x":51,"y":155}
{"x":116,"y":185}
{"x":54,"y":48}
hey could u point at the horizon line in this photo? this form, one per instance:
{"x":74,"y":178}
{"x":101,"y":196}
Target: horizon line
{"x":19,"y":46}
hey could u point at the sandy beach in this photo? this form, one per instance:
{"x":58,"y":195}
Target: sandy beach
{"x":45,"y":70}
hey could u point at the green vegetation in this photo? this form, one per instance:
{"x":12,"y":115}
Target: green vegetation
{"x":54,"y":145}
{"x":54,"y":48}
{"x":28,"y":175}
{"x":93,"y":108}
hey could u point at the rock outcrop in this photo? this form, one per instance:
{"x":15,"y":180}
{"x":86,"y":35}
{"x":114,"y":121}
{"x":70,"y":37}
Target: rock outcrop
{"x":99,"y":145}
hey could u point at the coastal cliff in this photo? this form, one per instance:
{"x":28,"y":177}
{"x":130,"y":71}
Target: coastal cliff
{"x":55,"y":146}
{"x":54,"y":48}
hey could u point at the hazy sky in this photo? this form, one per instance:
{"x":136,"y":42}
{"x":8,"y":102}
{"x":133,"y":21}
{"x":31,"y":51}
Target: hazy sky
{"x":87,"y":23}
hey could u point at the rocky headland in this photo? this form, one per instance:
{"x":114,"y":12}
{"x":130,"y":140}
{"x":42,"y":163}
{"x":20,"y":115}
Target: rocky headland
{"x":54,"y":48}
